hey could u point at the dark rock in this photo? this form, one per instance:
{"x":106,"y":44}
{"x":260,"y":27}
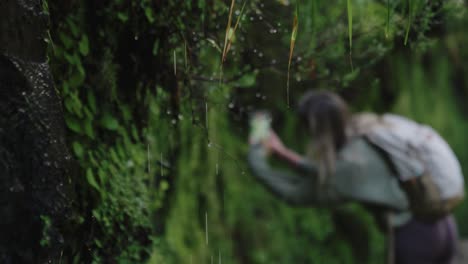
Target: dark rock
{"x":35,"y":173}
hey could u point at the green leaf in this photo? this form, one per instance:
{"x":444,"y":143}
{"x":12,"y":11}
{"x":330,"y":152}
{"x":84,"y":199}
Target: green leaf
{"x":156,"y":47}
{"x":91,"y":180}
{"x":126,"y":112}
{"x":92,"y":101}
{"x":88,"y":128}
{"x":122,"y":16}
{"x":84,"y":45}
{"x":66,"y":41}
{"x":73,"y":27}
{"x":109,"y":122}
{"x":164,"y":185}
{"x":149,"y":14}
{"x":77,"y":79}
{"x":248,"y":80}
{"x":78,"y":149}
{"x":73,"y":123}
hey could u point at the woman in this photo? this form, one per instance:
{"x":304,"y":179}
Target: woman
{"x":342,"y":165}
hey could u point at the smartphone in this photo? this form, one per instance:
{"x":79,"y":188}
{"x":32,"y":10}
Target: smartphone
{"x":260,"y":125}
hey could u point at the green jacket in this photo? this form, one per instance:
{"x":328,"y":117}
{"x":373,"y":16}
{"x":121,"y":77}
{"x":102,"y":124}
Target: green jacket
{"x":362,"y":175}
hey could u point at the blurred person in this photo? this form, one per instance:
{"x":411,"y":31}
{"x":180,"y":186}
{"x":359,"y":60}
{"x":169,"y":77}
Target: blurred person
{"x":394,"y":166}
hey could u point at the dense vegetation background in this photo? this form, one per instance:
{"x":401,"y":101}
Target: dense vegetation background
{"x":157,"y":119}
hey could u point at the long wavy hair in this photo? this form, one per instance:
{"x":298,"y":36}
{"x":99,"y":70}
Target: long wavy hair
{"x":326,"y":117}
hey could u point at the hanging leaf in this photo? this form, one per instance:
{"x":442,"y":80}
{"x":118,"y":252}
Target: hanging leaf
{"x":109,"y":122}
{"x":291,"y":49}
{"x":84,"y":45}
{"x":78,"y":149}
{"x":73,"y":123}
{"x":91,"y":180}
{"x":92,"y":101}
{"x":122,"y":16}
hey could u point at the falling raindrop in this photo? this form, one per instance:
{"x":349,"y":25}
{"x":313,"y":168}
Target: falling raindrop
{"x":231,"y":105}
{"x":206,"y":227}
{"x":148,"y":155}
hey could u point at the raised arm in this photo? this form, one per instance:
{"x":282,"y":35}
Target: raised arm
{"x":299,"y":188}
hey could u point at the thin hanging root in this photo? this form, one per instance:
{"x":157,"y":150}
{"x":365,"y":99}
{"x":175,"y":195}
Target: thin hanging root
{"x":387,"y":26}
{"x":291,"y":50}
{"x":175,"y":64}
{"x":206,"y":227}
{"x":228,"y":29}
{"x":350,"y":24}
{"x":408,"y":25}
{"x":350,"y":32}
{"x":233,"y":32}
{"x":230,"y":32}
{"x":185,"y":53}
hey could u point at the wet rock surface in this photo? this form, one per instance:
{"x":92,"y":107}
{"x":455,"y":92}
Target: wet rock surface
{"x":35,"y":165}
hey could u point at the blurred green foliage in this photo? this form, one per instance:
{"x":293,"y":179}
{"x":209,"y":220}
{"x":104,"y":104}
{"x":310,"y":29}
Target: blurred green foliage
{"x":161,"y":139}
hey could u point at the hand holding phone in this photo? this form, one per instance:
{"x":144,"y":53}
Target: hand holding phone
{"x":260,"y":125}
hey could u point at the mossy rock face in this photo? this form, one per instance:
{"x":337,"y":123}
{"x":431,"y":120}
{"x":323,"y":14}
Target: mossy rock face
{"x":35,"y":166}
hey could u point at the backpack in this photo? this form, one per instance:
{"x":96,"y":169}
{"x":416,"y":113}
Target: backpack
{"x":426,"y":167}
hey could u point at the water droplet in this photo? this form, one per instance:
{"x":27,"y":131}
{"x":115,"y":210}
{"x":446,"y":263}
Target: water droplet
{"x":251,"y":18}
{"x":23,"y":93}
{"x":237,"y":12}
{"x":260,"y":18}
{"x":264,"y":97}
{"x":231,"y":105}
{"x":273,"y":61}
{"x":209,"y":145}
{"x":174,"y":121}
{"x":257,"y":95}
{"x":260,"y":54}
{"x":181,"y":117}
{"x":255,"y":51}
{"x":273,"y":30}
{"x":168,"y":112}
{"x":136,"y":37}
